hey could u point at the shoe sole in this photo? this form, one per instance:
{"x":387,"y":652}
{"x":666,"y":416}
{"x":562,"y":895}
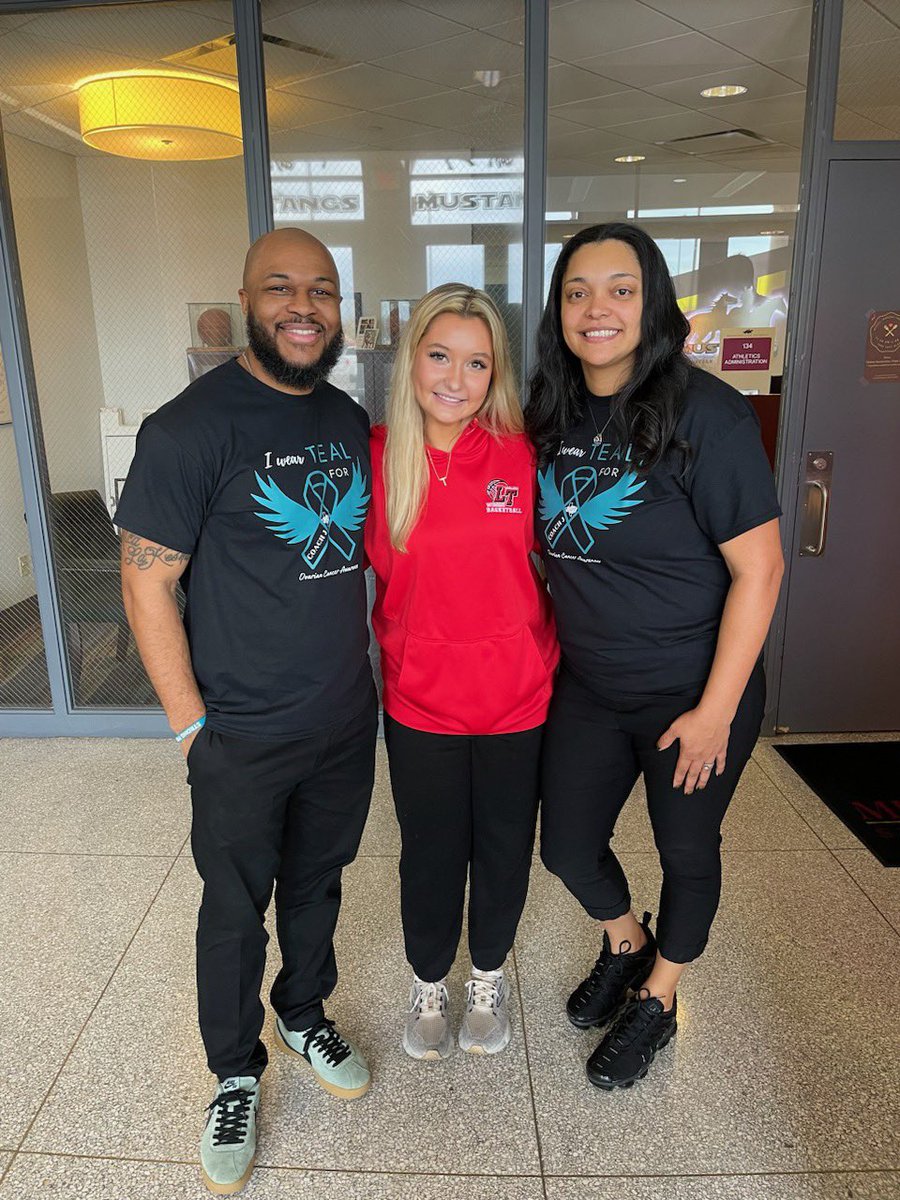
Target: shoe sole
{"x":331,"y":1088}
{"x":228,"y":1189}
{"x":609,"y":1085}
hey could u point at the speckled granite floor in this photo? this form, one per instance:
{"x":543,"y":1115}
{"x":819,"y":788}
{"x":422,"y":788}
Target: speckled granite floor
{"x":781,"y":1085}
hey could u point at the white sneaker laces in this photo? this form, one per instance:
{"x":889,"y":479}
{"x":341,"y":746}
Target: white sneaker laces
{"x":428,"y":998}
{"x":484,"y":993}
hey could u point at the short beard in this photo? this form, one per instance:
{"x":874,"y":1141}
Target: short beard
{"x":302,"y":378}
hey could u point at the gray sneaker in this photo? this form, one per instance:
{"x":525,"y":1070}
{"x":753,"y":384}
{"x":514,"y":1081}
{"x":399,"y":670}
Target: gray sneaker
{"x":485,"y":1027}
{"x":228,"y":1144}
{"x":427,"y":1033}
{"x":337,"y":1064}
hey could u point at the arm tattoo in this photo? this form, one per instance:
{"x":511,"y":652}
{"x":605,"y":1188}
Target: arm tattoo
{"x":141,"y":554}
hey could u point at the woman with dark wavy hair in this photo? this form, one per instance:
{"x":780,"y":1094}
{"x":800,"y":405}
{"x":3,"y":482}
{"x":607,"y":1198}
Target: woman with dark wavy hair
{"x":659,"y":529}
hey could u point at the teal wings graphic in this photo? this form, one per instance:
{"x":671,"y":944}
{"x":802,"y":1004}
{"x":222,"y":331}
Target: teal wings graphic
{"x":324,"y":519}
{"x":579,"y":506}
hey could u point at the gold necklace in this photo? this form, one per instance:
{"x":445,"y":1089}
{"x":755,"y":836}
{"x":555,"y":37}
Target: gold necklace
{"x":443,"y":478}
{"x":598,"y":433}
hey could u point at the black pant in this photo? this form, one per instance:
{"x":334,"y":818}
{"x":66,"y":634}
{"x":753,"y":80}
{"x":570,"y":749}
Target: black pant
{"x":593,"y":755}
{"x":467,"y":806}
{"x":287,"y":815}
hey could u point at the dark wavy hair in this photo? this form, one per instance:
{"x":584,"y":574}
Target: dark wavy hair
{"x":646,"y":409}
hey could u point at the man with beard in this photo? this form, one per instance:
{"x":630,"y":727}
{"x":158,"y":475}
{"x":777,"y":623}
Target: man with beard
{"x":250,"y":489}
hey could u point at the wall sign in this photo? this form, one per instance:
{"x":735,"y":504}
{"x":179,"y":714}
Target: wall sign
{"x":883,"y":347}
{"x":746,"y":353}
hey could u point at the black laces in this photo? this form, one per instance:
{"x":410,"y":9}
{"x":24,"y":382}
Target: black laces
{"x":328,"y":1041}
{"x":636,"y":1020}
{"x":231,"y":1116}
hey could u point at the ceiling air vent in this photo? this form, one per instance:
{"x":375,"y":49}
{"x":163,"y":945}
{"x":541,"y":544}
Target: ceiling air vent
{"x":219,"y":55}
{"x":719,"y":143}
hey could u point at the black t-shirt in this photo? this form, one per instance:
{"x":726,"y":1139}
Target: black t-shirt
{"x":268,"y":494}
{"x":637,"y":579}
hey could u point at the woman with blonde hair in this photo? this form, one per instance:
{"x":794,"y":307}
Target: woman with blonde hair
{"x":468,"y":652}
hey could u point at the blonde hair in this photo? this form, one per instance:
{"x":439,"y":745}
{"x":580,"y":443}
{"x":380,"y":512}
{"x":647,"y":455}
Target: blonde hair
{"x":405,"y":462}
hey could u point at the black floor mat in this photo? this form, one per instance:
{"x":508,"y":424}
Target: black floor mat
{"x":860,"y":783}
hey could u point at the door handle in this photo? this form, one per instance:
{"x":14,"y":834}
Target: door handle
{"x":814,"y":527}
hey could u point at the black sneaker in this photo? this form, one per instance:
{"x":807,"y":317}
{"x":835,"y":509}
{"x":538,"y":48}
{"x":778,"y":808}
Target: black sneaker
{"x":631,"y":1043}
{"x":597,"y":998}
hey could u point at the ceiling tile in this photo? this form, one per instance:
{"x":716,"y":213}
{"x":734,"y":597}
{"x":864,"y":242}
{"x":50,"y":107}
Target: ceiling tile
{"x":588,"y":27}
{"x":794,"y":68}
{"x":778,"y":35}
{"x":509,"y":31}
{"x":567,"y":83}
{"x":759,"y":81}
{"x":752,"y":113}
{"x":664,"y":129}
{"x":707,"y":14}
{"x":455,"y":61}
{"x":30,"y":60}
{"x":660,"y":62}
{"x":615,"y":109}
{"x":364,"y":86}
{"x":850,"y":126}
{"x":359,"y":31}
{"x":863,"y":24}
{"x":474,"y":13}
{"x":460,"y":110}
{"x":144,"y":31}
{"x":289,"y":111}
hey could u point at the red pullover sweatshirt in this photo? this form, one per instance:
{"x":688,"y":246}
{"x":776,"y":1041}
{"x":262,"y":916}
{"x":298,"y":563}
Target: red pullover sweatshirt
{"x":468,"y":642}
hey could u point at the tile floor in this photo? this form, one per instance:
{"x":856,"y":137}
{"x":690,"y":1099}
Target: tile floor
{"x":781,"y":1085}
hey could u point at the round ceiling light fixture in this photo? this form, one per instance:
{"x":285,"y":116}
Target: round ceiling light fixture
{"x":164,"y":116}
{"x":723,"y":90}
{"x":631,"y":158}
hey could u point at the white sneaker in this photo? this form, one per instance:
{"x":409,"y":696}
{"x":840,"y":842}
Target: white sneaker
{"x":427,"y":1033}
{"x":485,"y":1027}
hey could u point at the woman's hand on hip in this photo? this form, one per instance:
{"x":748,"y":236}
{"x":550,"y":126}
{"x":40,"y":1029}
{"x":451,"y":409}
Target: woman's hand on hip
{"x":703,"y":745}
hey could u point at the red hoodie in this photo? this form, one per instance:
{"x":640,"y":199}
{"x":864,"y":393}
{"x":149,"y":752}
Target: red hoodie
{"x":468,"y":643}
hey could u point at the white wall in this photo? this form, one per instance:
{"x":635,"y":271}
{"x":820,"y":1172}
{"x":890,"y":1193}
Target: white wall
{"x":46,"y":210}
{"x":158,"y":237}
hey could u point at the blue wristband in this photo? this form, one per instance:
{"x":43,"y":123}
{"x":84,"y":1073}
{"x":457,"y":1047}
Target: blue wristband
{"x":186,"y":733}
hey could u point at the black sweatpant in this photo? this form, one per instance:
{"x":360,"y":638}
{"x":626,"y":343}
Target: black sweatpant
{"x":467,"y":806}
{"x":593,"y":755}
{"x":287,"y":815}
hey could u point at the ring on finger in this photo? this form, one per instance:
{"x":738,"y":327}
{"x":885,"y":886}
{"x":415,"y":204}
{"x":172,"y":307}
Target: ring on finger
{"x":708,"y":766}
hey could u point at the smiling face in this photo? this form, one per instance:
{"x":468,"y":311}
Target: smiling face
{"x":451,"y":375}
{"x":600,"y":312}
{"x":291,"y":299}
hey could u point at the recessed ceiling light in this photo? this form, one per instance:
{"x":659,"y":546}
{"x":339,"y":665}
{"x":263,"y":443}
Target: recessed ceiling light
{"x":770,"y":232}
{"x":680,"y":179}
{"x":489,"y":79}
{"x":630,"y":158}
{"x":723,"y":90}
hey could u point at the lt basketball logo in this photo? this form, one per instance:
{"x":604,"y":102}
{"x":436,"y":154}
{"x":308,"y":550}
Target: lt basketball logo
{"x":502,"y":497}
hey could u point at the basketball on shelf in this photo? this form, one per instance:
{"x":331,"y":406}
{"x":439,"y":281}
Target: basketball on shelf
{"x":214,"y":327}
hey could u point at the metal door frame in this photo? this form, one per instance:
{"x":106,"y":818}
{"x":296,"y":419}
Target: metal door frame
{"x":63,"y":718}
{"x":820,"y":150}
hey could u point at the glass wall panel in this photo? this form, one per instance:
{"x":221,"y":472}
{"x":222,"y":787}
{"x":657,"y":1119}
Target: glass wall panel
{"x":396,"y":133}
{"x":23,"y":664}
{"x":868,"y":99}
{"x":121,"y":128}
{"x":687,"y":118}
